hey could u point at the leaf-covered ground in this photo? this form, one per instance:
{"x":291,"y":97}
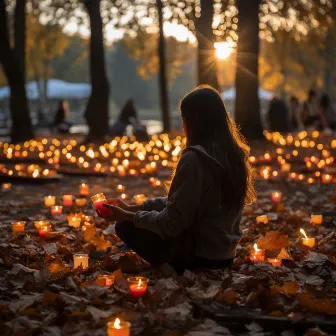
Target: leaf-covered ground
{"x":41,"y":293}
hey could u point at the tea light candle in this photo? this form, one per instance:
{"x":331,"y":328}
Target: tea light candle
{"x":18,"y":227}
{"x":67,"y":200}
{"x":74,"y":221}
{"x":285,"y":168}
{"x":257,"y":254}
{"x":326,"y":178}
{"x":98,"y":200}
{"x":56,"y":210}
{"x":316,"y":219}
{"x":49,"y":201}
{"x":276,"y":196}
{"x":84,"y":190}
{"x":118,"y":328}
{"x":120,"y":188}
{"x":86,"y":226}
{"x":105,"y":280}
{"x":80,"y":202}
{"x":6,"y":186}
{"x":81,"y":259}
{"x":39,"y":224}
{"x":139,"y":199}
{"x":275,"y":262}
{"x":310,"y":242}
{"x":262,"y":219}
{"x":43,"y":230}
{"x":137,"y":286}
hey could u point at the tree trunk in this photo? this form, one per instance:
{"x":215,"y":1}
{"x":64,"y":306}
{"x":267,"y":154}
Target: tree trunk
{"x":164,"y":101}
{"x":207,"y":62}
{"x":20,"y":35}
{"x":247,"y":112}
{"x":96,"y":113}
{"x":21,"y":122}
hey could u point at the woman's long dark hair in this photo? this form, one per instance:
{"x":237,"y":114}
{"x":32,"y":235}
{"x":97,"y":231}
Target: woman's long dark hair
{"x":208,"y":124}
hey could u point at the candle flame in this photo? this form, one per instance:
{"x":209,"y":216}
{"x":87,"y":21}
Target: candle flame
{"x":117,"y":323}
{"x":139,"y":283}
{"x":35,"y":173}
{"x":256,"y":247}
{"x":304,"y":233}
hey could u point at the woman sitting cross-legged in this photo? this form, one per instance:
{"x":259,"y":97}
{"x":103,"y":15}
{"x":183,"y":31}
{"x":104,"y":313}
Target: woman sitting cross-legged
{"x":198,"y":224}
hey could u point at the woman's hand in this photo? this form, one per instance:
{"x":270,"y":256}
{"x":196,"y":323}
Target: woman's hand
{"x":117,"y":213}
{"x":119,"y":203}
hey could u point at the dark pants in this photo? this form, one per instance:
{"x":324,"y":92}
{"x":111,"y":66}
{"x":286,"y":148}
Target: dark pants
{"x":156,"y":251}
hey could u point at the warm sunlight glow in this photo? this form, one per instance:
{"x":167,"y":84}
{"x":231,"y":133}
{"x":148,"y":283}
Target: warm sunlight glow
{"x":304,"y":233}
{"x":223,"y":50}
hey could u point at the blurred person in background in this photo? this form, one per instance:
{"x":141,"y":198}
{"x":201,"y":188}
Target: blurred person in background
{"x":278,"y":116}
{"x":294,"y":118}
{"x":61,"y":124}
{"x":310,"y":110}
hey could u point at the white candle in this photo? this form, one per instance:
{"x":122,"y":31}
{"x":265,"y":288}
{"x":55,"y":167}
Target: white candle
{"x":81,"y":259}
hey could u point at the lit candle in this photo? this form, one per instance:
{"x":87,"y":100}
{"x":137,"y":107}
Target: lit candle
{"x":105,"y":280}
{"x":67,"y":200}
{"x":118,"y":328}
{"x":276,"y":196}
{"x":74,"y":221}
{"x":81,"y":202}
{"x":39,"y":224}
{"x":155,"y":182}
{"x":56,"y":210}
{"x":285,"y":168}
{"x":49,"y":201}
{"x":326,"y":178}
{"x":120,"y":188}
{"x":137,"y":286}
{"x":81,"y":259}
{"x":123,"y":196}
{"x":310,"y":242}
{"x":316,"y":219}
{"x":275,"y":262}
{"x":6,"y":186}
{"x":257,"y":254}
{"x":84,"y":190}
{"x":43,"y":230}
{"x":98,"y":200}
{"x":18,"y":227}
{"x":262,"y":219}
{"x":139,"y":199}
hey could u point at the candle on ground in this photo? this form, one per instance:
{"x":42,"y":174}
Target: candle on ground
{"x":310,"y":242}
{"x":81,"y":202}
{"x":105,"y":280}
{"x":39,"y":224}
{"x":81,"y":259}
{"x":98,"y":200}
{"x":6,"y":186}
{"x":276,"y":196}
{"x":275,"y":262}
{"x":49,"y":201}
{"x":262,"y":219}
{"x":137,"y":286}
{"x":316,"y":219}
{"x":67,"y":200}
{"x":74,"y":221}
{"x":18,"y":227}
{"x":118,"y":328}
{"x":84,"y":190}
{"x":120,"y":188}
{"x":56,"y":210}
{"x":326,"y":178}
{"x":43,"y":230}
{"x":257,"y":254}
{"x":139,"y":199}
{"x":285,"y":168}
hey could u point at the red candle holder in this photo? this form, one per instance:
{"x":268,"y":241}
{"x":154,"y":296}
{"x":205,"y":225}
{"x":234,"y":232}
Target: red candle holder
{"x":137,"y":286}
{"x":98,"y":201}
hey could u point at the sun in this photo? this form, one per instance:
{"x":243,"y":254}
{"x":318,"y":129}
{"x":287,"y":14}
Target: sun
{"x":223,"y":50}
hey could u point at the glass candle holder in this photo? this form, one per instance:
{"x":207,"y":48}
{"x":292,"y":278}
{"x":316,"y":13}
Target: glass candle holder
{"x":84,"y":190}
{"x":316,"y":219}
{"x":56,"y":210}
{"x":81,"y":259}
{"x":118,"y":328}
{"x":310,"y":242}
{"x":80,"y":202}
{"x":276,"y":196}
{"x":67,"y":200}
{"x":39,"y":224}
{"x":49,"y":201}
{"x":98,"y":201}
{"x":74,"y":221}
{"x":263,"y":219}
{"x":6,"y":186}
{"x":275,"y":262}
{"x":257,"y":255}
{"x":105,"y":280}
{"x":44,"y":230}
{"x":18,"y":227}
{"x":139,"y":199}
{"x":137,"y":286}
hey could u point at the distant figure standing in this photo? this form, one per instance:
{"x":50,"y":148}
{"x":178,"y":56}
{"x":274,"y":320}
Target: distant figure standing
{"x":327,"y":114}
{"x":60,"y":122}
{"x":277,"y":116}
{"x":126,"y":117}
{"x":294,"y":118}
{"x":309,"y":110}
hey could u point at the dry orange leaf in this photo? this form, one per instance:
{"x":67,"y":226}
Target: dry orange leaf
{"x":284,"y":255}
{"x":322,"y":306}
{"x":274,"y":240}
{"x":290,"y":287}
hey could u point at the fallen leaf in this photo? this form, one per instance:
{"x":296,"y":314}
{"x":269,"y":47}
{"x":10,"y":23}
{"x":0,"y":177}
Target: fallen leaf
{"x":274,"y":240}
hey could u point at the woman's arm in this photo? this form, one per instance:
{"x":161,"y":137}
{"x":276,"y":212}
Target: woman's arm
{"x":183,"y":201}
